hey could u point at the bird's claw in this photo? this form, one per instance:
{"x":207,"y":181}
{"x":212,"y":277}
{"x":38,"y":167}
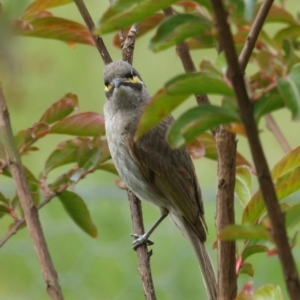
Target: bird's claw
{"x":140,"y":240}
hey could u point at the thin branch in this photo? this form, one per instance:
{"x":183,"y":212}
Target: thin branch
{"x":20,"y":222}
{"x":28,"y":207}
{"x":142,"y":251}
{"x":128,"y":44}
{"x":186,"y":60}
{"x":91,"y":26}
{"x":272,"y":126}
{"x":254,"y":33}
{"x":269,"y":194}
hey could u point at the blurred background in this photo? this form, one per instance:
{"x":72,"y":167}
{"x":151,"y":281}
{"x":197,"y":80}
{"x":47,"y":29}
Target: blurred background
{"x":34,"y":74}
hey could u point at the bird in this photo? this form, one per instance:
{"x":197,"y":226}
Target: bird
{"x":150,"y":168}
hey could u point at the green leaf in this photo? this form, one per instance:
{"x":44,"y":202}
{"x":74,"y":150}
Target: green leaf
{"x":290,"y":161}
{"x":267,"y":103}
{"x":244,"y":232}
{"x":60,"y":109}
{"x":196,"y":121}
{"x":243,"y":184}
{"x":198,"y":83}
{"x":124,"y":13}
{"x":209,"y":143}
{"x":292,"y":216}
{"x":4,"y":209}
{"x":292,"y":32}
{"x":284,"y":187}
{"x":268,"y":292}
{"x":54,"y":28}
{"x":247,"y":269}
{"x":108,"y":167}
{"x":65,"y":153}
{"x":291,"y":57}
{"x":252,"y":249}
{"x":290,"y":94}
{"x":3,"y":199}
{"x":160,"y":106}
{"x":78,"y":211}
{"x":84,"y":124}
{"x":40,"y":5}
{"x":177,"y":28}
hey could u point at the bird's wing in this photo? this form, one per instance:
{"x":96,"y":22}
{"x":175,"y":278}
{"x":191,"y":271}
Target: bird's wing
{"x":170,"y":173}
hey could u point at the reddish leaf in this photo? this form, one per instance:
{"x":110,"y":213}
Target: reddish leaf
{"x":60,"y":109}
{"x":40,"y":5}
{"x":146,"y":26}
{"x":196,"y":149}
{"x":84,"y":124}
{"x":55,"y":28}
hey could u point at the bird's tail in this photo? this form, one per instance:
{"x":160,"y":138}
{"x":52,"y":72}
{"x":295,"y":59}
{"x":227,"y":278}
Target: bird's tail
{"x":204,"y":261}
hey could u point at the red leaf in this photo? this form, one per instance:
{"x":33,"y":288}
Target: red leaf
{"x":84,"y":124}
{"x":39,"y":5}
{"x":196,"y":149}
{"x":55,"y":28}
{"x":60,"y":109}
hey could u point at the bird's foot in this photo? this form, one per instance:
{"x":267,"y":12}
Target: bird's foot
{"x":140,"y":240}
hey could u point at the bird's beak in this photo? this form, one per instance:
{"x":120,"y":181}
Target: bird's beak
{"x":117,"y":82}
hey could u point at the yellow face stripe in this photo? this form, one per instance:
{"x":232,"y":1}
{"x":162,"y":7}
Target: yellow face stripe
{"x":134,"y":79}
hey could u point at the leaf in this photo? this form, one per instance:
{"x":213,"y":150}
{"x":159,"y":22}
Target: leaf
{"x":4,"y":209}
{"x":55,"y":28}
{"x":291,"y":57}
{"x":243,"y":184}
{"x":84,"y":124}
{"x":146,"y":26}
{"x":290,"y":161}
{"x":3,"y":199}
{"x":78,"y":211}
{"x":108,"y":167}
{"x":278,"y":14}
{"x":247,"y":268}
{"x":160,"y":106}
{"x":244,"y":232}
{"x":198,"y":83}
{"x":252,"y":249}
{"x":60,"y":109}
{"x":292,"y":216}
{"x":209,"y":143}
{"x":177,"y":28}
{"x":196,"y":121}
{"x":196,"y":149}
{"x":268,"y":292}
{"x":267,"y":103}
{"x":65,"y":153}
{"x":256,"y":206}
{"x":290,"y":94}
{"x":292,"y":32}
{"x":39,"y":5}
{"x":124,"y":13}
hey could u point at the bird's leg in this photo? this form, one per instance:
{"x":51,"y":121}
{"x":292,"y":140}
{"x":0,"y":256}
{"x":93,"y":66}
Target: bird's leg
{"x":143,"y":239}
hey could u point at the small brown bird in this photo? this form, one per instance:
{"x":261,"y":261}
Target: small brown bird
{"x":150,"y":168}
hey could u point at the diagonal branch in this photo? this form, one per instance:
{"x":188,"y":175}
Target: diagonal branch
{"x":28,"y":207}
{"x":91,"y":26}
{"x":236,"y":75}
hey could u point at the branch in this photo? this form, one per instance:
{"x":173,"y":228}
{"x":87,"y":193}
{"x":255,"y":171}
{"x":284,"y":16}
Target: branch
{"x":236,"y":75}
{"x":28,"y":207}
{"x":272,"y":126}
{"x":142,"y":251}
{"x":186,"y":60}
{"x":128,"y":45}
{"x":20,"y":222}
{"x":254,"y":33}
{"x":91,"y":26}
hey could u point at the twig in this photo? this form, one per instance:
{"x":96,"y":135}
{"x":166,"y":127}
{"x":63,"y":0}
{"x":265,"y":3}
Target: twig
{"x":142,"y":251}
{"x":272,"y":126}
{"x":128,"y":45}
{"x":254,"y":32}
{"x":20,"y":222}
{"x":186,"y":60}
{"x":91,"y":26}
{"x":269,"y":194}
{"x":29,"y":209}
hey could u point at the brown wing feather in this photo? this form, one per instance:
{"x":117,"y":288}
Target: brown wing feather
{"x":159,"y":163}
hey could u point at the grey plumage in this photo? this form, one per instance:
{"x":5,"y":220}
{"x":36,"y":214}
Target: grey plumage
{"x":149,"y":167}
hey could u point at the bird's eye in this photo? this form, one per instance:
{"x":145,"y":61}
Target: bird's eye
{"x":129,"y":75}
{"x":106,"y":82}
